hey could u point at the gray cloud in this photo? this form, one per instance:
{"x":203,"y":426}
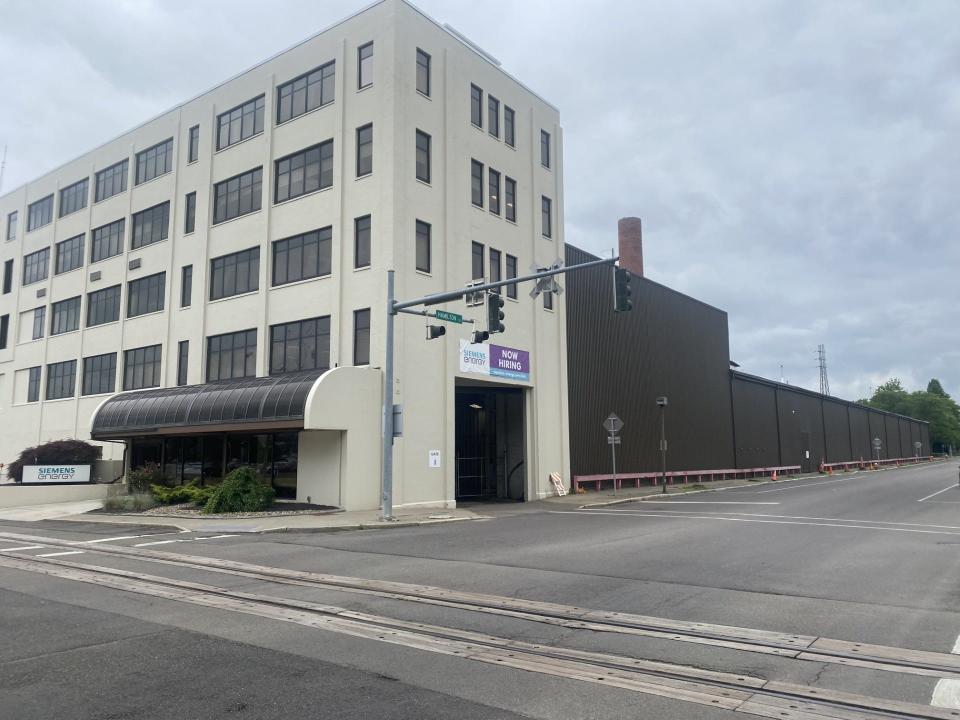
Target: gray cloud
{"x":795,"y":164}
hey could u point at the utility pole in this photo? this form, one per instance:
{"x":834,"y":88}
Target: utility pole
{"x":546,"y":282}
{"x":662,"y":403}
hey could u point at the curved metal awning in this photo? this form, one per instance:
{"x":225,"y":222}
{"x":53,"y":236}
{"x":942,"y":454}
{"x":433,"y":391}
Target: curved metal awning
{"x":247,"y":404}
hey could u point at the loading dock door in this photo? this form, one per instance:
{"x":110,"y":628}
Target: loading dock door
{"x":489,"y":443}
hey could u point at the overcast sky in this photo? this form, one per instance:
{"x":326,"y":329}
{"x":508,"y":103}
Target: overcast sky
{"x":796,"y":163}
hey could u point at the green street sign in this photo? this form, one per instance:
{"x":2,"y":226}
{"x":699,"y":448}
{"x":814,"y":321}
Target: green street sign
{"x":449,"y":316}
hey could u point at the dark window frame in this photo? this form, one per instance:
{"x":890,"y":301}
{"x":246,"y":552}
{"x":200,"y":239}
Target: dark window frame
{"x":39,"y":322}
{"x":319,"y":77}
{"x":493,"y":116}
{"x":4,"y":331}
{"x":476,"y":106}
{"x":495,"y":266}
{"x":33,"y":383}
{"x":61,"y":380}
{"x":232,"y":190}
{"x":361,"y":336}
{"x":476,"y":183}
{"x":73,"y":198}
{"x":423,"y":72}
{"x":423,"y":246}
{"x":362,"y":241}
{"x":150,"y":225}
{"x":193,"y":144}
{"x":244,"y":120}
{"x":12,"y":222}
{"x":545,"y":149}
{"x":146,"y":295}
{"x":36,"y":267}
{"x":99,"y":374}
{"x":298,"y":163}
{"x":183,"y":362}
{"x":110,"y":181}
{"x":113,"y":235}
{"x":287,"y":257}
{"x":510,"y":268}
{"x":222,"y":355}
{"x":478,"y":252}
{"x":190,"y":213}
{"x":364,"y":143}
{"x":546,"y":216}
{"x":68,"y":254}
{"x":140,"y":361}
{"x":236,"y":273}
{"x":149,"y":162}
{"x":423,"y":156}
{"x":365,"y":69}
{"x":493,"y":191}
{"x":186,"y":286}
{"x":509,"y":198}
{"x":40,"y":213}
{"x":509,"y":126}
{"x":287,"y":341}
{"x":8,"y":276}
{"x":103,"y":306}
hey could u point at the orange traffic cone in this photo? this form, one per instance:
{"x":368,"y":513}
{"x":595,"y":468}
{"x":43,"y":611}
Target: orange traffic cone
{"x":773,"y":475}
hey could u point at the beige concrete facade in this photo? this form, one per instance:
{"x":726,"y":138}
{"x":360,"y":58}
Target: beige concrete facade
{"x":427,"y":371}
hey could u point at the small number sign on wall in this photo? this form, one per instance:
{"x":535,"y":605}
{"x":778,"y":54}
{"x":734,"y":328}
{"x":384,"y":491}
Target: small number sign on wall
{"x":433,"y":458}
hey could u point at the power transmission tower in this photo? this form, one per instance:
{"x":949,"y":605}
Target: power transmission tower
{"x":824,"y":382}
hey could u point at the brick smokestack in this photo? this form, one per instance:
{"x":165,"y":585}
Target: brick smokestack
{"x":631,"y":244}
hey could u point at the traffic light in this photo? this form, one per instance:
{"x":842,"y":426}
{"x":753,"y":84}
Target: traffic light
{"x":495,"y":313}
{"x":480,"y":336}
{"x":621,"y":290}
{"x":435,"y":331}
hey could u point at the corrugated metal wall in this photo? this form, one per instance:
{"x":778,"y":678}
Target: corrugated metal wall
{"x":673,"y":345}
{"x":669,"y":344}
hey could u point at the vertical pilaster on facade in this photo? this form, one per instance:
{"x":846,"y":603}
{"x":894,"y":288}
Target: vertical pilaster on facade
{"x":630,"y":234}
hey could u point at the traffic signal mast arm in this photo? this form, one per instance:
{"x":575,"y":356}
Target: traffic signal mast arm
{"x":449,"y":295}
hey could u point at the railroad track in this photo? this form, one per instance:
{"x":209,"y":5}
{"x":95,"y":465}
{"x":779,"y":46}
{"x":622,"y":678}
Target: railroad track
{"x":736,"y":692}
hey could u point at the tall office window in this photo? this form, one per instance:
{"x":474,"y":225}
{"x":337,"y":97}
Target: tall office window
{"x":99,"y":374}
{"x":510,"y":198}
{"x":111,"y":181}
{"x":190,"y":213}
{"x":107,"y":240}
{"x":361,"y":242}
{"x":7,"y":277}
{"x":39,"y":322}
{"x":33,"y":384}
{"x":509,"y":126}
{"x":304,"y":172}
{"x":493,"y":116}
{"x":239,"y":195}
{"x":300,"y":346}
{"x":423,"y":72}
{"x":240,"y":123}
{"x":233,"y":355}
{"x":12,"y":225}
{"x":61,"y":380}
{"x":423,"y":246}
{"x":423,"y":156}
{"x":141,"y":368}
{"x":495,"y":268}
{"x":494,"y":192}
{"x":306,"y":92}
{"x":36,"y":266}
{"x":74,"y":197}
{"x":4,"y":330}
{"x":146,"y":295}
{"x":546,"y":216}
{"x":103,"y":306}
{"x":364,"y":150}
{"x":476,"y":262}
{"x":186,"y":285}
{"x":302,"y":257}
{"x":183,"y":357}
{"x":193,"y":144}
{"x":511,"y":273}
{"x":548,"y":300}
{"x":476,"y":183}
{"x":154,"y":161}
{"x":545,"y":148}
{"x":69,"y":255}
{"x":361,"y":337}
{"x":151,"y":225}
{"x":235,"y":274}
{"x":40,"y":213}
{"x":476,"y":106}
{"x":365,"y":65}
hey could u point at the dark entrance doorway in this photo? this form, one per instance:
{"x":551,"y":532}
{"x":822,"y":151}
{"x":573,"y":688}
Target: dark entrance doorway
{"x":490,"y":443}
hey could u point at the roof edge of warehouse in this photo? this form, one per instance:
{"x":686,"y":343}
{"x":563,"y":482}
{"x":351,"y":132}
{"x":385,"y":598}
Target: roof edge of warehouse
{"x":658,"y":284}
{"x":814,"y":393}
{"x":456,"y":34}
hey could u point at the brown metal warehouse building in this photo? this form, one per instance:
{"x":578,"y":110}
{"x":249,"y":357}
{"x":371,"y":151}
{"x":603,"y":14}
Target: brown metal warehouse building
{"x":674,"y":345}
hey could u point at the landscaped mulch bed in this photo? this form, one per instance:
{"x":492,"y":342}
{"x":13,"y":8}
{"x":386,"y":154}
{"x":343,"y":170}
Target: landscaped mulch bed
{"x":188,"y":510}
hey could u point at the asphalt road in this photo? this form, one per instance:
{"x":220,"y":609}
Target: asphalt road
{"x":867,"y":557}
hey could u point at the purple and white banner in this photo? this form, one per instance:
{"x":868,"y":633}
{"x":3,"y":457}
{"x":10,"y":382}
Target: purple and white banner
{"x":494,"y":360}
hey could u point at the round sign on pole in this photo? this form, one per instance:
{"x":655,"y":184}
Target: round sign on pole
{"x":613,"y":424}
{"x":877,"y":443}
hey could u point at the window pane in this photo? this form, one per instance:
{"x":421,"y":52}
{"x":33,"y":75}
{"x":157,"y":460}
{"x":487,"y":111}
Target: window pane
{"x":365,"y":65}
{"x":423,"y":72}
{"x":423,"y":246}
{"x":476,"y":183}
{"x":361,"y":337}
{"x":235,"y":273}
{"x":423,"y":156}
{"x":300,"y":346}
{"x":361,"y":235}
{"x":236,"y":196}
{"x":232,"y":355}
{"x":306,"y":171}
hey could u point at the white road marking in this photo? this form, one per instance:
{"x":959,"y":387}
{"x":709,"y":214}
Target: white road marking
{"x":750,"y":520}
{"x":947,"y":692}
{"x":216,"y":537}
{"x":704,"y":502}
{"x":58,"y":554}
{"x":157,"y":542}
{"x":804,"y":517}
{"x":184,"y":540}
{"x":814,"y":484}
{"x":25,"y":547}
{"x":950,"y":487}
{"x":103,"y":540}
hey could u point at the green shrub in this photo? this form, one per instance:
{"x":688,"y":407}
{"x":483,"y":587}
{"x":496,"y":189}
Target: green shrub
{"x":240,"y":491}
{"x":140,"y":479}
{"x":189,"y":493}
{"x":138,"y":502}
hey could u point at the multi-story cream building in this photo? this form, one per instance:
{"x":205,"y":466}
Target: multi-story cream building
{"x":179,"y":292}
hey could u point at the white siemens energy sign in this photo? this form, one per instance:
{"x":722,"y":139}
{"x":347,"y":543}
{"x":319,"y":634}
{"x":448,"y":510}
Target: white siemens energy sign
{"x":494,"y":360}
{"x":56,"y":473}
